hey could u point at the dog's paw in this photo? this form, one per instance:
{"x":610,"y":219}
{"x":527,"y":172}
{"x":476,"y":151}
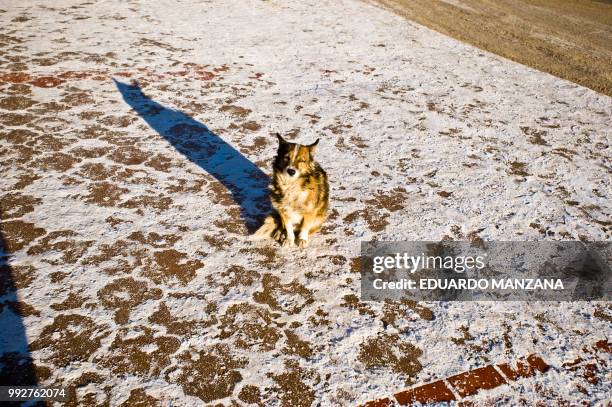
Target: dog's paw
{"x":288,"y":242}
{"x":302,"y":243}
{"x":278,"y":235}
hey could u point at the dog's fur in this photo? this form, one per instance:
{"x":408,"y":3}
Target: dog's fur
{"x":299,"y":193}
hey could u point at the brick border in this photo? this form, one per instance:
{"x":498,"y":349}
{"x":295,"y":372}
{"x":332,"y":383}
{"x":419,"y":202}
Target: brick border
{"x":466,"y":384}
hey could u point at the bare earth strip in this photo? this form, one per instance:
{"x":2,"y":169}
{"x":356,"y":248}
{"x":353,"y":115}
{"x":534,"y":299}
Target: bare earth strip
{"x":569,"y":39}
{"x":125,"y":208}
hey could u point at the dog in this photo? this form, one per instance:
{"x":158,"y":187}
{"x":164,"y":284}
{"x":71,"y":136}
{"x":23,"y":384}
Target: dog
{"x":299,"y":193}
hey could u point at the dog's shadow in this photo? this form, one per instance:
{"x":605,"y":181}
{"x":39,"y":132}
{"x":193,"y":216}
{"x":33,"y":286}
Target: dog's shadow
{"x":245,"y":181}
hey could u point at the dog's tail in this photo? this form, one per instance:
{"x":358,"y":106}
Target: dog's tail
{"x":268,"y":230}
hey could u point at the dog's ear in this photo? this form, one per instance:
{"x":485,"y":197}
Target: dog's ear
{"x":281,"y":140}
{"x":313,"y":147}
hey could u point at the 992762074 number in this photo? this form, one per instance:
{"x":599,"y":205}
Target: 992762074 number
{"x":25,"y":393}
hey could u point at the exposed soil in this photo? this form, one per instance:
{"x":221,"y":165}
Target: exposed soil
{"x":571,"y":39}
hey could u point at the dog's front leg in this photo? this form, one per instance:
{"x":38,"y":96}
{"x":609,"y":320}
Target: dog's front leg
{"x":289,"y":233}
{"x":307,"y":224}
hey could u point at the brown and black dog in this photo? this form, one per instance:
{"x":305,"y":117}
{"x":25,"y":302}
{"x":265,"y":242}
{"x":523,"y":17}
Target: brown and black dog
{"x":299,"y":193}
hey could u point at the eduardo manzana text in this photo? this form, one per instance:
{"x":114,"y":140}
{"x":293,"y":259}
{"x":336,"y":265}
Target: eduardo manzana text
{"x":470,"y":284}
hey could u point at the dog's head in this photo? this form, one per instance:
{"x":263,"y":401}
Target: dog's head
{"x":292,"y":159}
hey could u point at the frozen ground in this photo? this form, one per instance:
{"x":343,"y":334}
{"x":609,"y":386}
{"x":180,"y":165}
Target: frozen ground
{"x":127,"y":220}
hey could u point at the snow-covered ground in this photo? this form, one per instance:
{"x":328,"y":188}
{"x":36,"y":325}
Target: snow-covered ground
{"x":128,"y":219}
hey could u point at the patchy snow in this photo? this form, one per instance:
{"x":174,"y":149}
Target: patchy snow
{"x":134,"y":230}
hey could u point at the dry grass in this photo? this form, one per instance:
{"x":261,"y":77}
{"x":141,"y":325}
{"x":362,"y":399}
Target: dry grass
{"x":571,"y":39}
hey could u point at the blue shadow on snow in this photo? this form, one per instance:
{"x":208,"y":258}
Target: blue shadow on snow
{"x":16,"y":365}
{"x":245,"y":181}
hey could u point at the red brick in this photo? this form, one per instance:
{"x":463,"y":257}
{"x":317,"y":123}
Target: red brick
{"x":589,"y":372}
{"x":572,"y":365}
{"x":429,"y":393}
{"x":471,"y":382}
{"x":522,"y":369}
{"x":538,"y":363}
{"x":604,"y":345}
{"x":386,"y":402}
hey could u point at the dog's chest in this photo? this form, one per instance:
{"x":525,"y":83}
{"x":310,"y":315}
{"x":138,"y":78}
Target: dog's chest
{"x":294,"y":201}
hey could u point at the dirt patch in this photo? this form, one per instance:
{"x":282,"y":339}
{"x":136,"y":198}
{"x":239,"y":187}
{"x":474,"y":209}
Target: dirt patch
{"x":233,"y":225}
{"x":48,"y":108}
{"x":235,"y":111}
{"x":129,"y":155}
{"x":19,"y":89}
{"x":71,"y":302}
{"x":535,"y":136}
{"x":16,"y":119}
{"x":183,"y":185}
{"x":16,"y":103}
{"x":25,"y":180}
{"x":571,"y":39}
{"x":209,"y":375}
{"x":219,"y":194}
{"x":250,"y":394}
{"x":139,"y":398}
{"x":160,"y":163}
{"x":94,"y":131}
{"x":297,"y":346}
{"x":390,"y":200}
{"x":234,"y":276}
{"x":117,"y":121}
{"x":183,"y":327}
{"x":97,"y":396}
{"x":217,"y":242}
{"x":352,"y":302}
{"x":125,"y":293}
{"x":320,"y":318}
{"x":90,"y":115}
{"x":159,"y":203}
{"x":50,"y":143}
{"x":22,"y":277}
{"x":96,"y":171}
{"x":69,"y":339}
{"x":289,"y":298}
{"x":60,"y":242}
{"x":120,"y":251}
{"x":173,"y":265}
{"x":395,"y":313}
{"x":600,"y":313}
{"x":15,"y":205}
{"x":517,"y":168}
{"x":388,"y":350}
{"x":376,"y":219}
{"x":78,"y":99}
{"x":251,"y":126}
{"x":250,"y":326}
{"x":18,"y":136}
{"x":90,"y":152}
{"x":129,"y":352}
{"x":104,"y":194}
{"x":18,"y":234}
{"x":292,"y":387}
{"x":154,"y":239}
{"x":60,"y":162}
